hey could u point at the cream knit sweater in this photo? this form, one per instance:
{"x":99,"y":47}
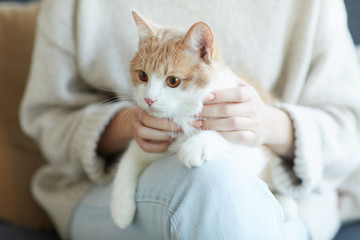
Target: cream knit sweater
{"x":299,"y":50}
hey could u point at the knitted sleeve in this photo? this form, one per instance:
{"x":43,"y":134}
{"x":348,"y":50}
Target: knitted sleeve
{"x":60,"y":110}
{"x":326,"y":117}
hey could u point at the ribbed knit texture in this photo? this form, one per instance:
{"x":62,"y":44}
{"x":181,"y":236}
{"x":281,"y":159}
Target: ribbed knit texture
{"x":94,"y":123}
{"x":308,"y":163}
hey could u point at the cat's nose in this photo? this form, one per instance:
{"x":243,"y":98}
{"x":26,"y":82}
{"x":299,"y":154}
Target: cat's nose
{"x":149,"y":101}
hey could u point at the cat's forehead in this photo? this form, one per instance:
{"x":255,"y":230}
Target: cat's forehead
{"x":170,"y":34}
{"x":163,"y":52}
{"x":164,"y":39}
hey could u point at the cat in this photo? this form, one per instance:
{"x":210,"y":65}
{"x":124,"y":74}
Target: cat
{"x":171,"y":73}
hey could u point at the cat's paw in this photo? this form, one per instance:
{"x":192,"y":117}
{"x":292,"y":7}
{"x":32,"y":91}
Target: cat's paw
{"x":193,"y":153}
{"x":123,"y":210}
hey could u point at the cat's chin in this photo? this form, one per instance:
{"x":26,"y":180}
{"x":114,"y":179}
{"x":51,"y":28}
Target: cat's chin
{"x":155,"y":113}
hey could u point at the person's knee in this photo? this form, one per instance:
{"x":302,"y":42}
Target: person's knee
{"x":219,"y":180}
{"x":221,"y":195}
{"x":168,"y":182}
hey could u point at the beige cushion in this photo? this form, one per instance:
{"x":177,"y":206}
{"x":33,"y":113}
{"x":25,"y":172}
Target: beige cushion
{"x":19,"y":156}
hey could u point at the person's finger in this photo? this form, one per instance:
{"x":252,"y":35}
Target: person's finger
{"x":152,"y":147}
{"x":244,"y":137}
{"x":147,"y":133}
{"x":237,"y":94}
{"x":157,"y":123}
{"x":227,"y":124}
{"x":225,"y":110}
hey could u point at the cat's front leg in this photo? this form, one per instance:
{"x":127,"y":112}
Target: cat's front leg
{"x":201,"y":147}
{"x":133,"y":162}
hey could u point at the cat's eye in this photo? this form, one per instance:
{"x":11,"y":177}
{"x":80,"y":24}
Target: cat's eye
{"x":172,"y":81}
{"x":143,"y":76}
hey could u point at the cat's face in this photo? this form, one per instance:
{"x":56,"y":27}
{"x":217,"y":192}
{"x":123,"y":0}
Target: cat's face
{"x":172,"y":69}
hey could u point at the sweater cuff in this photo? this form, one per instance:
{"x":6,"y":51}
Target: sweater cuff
{"x":93,"y":123}
{"x":302,"y":175}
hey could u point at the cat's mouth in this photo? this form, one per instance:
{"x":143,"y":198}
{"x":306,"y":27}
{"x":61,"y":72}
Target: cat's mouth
{"x":154,"y":112}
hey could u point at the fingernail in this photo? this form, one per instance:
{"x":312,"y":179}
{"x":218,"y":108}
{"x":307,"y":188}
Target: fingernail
{"x":197,"y":124}
{"x":209,"y":97}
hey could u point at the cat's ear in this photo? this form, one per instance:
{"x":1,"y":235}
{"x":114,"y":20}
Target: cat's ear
{"x":146,"y":28}
{"x":200,"y":40}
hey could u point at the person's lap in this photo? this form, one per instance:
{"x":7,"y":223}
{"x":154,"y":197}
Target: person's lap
{"x":218,"y":200}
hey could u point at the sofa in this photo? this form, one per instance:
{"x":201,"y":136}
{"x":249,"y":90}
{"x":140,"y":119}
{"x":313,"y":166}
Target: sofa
{"x":20,"y":216}
{"x":19,"y":156}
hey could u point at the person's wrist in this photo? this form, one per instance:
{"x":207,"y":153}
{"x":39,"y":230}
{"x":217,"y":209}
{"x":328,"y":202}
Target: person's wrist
{"x":117,"y":133}
{"x":279,"y":134}
{"x":125,"y":120}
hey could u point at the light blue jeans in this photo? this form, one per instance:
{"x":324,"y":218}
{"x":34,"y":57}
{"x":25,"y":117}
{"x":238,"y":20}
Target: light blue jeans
{"x":219,"y":200}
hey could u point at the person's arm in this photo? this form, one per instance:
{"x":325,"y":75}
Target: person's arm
{"x":75,"y":124}
{"x":327,"y":117}
{"x":59,"y":110}
{"x":318,"y":136}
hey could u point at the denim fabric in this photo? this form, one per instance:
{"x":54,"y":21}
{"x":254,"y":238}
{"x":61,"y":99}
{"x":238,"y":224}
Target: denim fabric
{"x":219,"y":200}
{"x":349,"y":231}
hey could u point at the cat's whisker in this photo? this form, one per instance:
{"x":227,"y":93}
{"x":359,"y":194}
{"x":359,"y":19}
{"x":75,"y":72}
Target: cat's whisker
{"x":172,"y":131}
{"x":121,"y":94}
{"x":107,"y":101}
{"x":112,"y":90}
{"x":131,"y":99}
{"x":173,"y":135}
{"x":197,"y":126}
{"x":125,"y":96}
{"x":192,"y":120}
{"x":124,"y":117}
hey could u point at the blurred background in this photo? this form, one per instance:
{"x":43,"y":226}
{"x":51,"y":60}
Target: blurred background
{"x":352,"y":6}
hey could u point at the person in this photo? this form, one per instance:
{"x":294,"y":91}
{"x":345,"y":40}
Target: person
{"x":301,"y":51}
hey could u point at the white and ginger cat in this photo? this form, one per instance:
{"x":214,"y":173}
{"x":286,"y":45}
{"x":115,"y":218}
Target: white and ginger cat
{"x":172,"y":72}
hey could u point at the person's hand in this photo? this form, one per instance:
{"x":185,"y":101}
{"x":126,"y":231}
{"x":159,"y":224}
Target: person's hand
{"x":240,"y":115}
{"x":151,"y":133}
